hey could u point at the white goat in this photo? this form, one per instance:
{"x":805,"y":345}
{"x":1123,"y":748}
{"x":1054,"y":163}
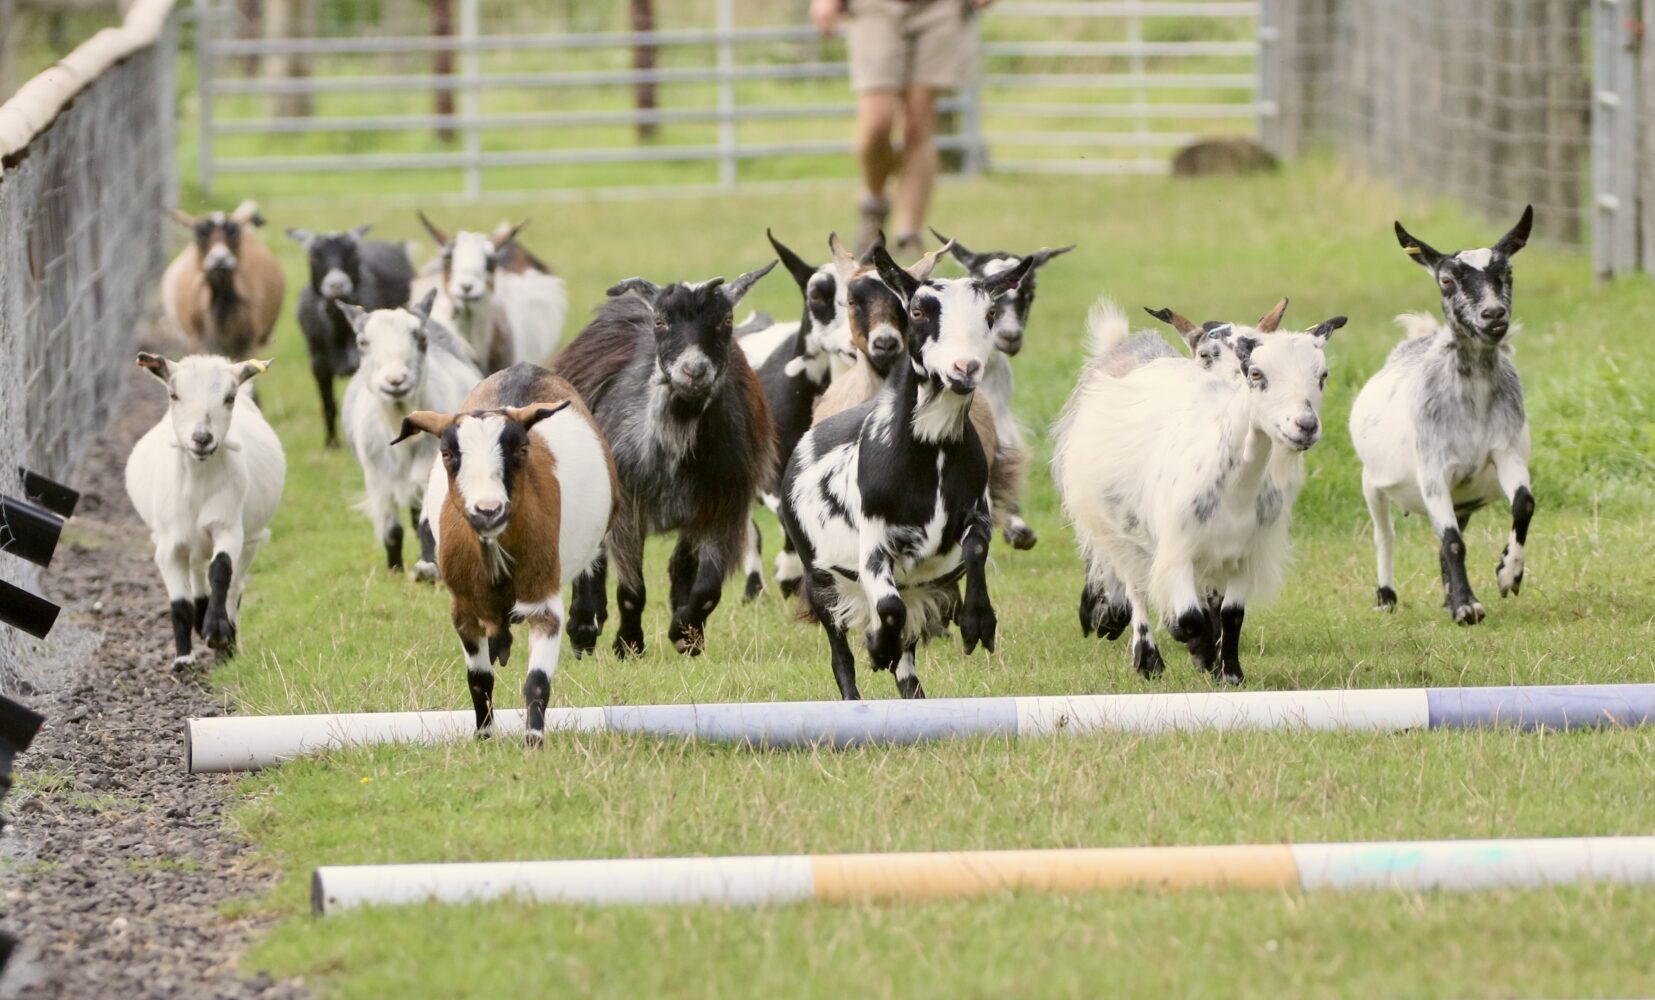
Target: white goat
{"x":1166,"y":473}
{"x":409,"y":362}
{"x":502,"y":301}
{"x":206,"y":479}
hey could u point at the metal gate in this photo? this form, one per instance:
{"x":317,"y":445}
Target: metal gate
{"x":352,"y":109}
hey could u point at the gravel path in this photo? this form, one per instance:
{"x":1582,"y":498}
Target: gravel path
{"x":114,"y":862}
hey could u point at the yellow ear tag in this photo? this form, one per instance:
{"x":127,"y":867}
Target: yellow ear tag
{"x":1414,"y":251}
{"x":262,"y":366}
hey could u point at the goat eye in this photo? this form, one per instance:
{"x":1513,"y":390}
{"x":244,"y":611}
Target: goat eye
{"x":1256,"y":375}
{"x":1322,"y":382}
{"x":1448,"y":284}
{"x":918,"y":313}
{"x":173,"y":396}
{"x":660,"y":324}
{"x":230,"y":399}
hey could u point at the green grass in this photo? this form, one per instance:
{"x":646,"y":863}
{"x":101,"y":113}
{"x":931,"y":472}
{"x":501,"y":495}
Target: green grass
{"x":326,"y":628}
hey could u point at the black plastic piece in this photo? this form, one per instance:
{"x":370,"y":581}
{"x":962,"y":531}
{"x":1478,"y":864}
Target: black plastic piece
{"x":25,"y":611}
{"x":49,"y":493}
{"x":27,"y":531}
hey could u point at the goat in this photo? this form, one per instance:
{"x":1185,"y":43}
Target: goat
{"x":1104,"y":607}
{"x":1011,"y":322}
{"x":888,"y":504}
{"x":693,"y":443}
{"x":206,"y":480}
{"x":344,"y":268}
{"x":224,"y":290}
{"x":1166,"y":473}
{"x":524,"y":495}
{"x":1441,"y":429}
{"x":794,"y":363}
{"x":501,"y":299}
{"x":408,"y":362}
{"x":879,"y":331}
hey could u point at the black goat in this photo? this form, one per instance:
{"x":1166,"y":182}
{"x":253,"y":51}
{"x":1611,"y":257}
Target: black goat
{"x":693,"y":443}
{"x":344,"y":267}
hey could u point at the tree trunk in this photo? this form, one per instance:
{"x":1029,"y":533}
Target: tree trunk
{"x":282,"y":20}
{"x":643,"y":59}
{"x":442,"y":26}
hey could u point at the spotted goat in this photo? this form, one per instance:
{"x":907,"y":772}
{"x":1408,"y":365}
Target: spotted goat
{"x":888,"y":504}
{"x":518,"y":508}
{"x":1441,"y":430}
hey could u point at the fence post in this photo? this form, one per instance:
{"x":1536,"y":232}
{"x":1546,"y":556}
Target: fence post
{"x":204,"y":92}
{"x":1614,"y":142}
{"x":1272,"y":131}
{"x":471,"y":98}
{"x":726,"y":93}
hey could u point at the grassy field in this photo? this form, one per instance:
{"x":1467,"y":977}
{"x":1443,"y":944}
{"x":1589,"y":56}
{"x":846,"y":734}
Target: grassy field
{"x":327,"y":628}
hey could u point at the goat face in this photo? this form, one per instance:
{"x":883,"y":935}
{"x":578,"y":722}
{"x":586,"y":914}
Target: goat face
{"x":825,"y":326}
{"x":693,"y":323}
{"x":878,"y":322}
{"x":1285,"y":374}
{"x":393,"y":345}
{"x":950,"y":332}
{"x":201,"y":393}
{"x":1011,"y":311}
{"x":217,"y":245}
{"x":335,"y":262}
{"x":1476,"y":285}
{"x":484,"y":453}
{"x":469,"y":261}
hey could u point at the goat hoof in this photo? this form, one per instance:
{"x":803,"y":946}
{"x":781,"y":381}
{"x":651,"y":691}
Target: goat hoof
{"x":220,"y":634}
{"x":755,"y":586}
{"x":909,"y":687}
{"x":1230,"y":678}
{"x":425,"y":572}
{"x":1021,"y":537}
{"x":1385,"y":600}
{"x":1509,"y":573}
{"x":687,"y":637}
{"x":484,"y":733}
{"x":629,"y":646}
{"x":533,"y":738}
{"x":1469,"y":614}
{"x":1190,"y":625}
{"x":1146,"y":659}
{"x":790,"y":588}
{"x":183,"y":662}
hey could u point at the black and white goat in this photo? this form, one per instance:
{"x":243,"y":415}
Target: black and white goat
{"x":345,"y":268}
{"x":888,"y":503}
{"x":1441,"y":429}
{"x":693,"y":445}
{"x":794,"y":363}
{"x":1011,"y":323}
{"x":1171,"y":478}
{"x":408,"y":362}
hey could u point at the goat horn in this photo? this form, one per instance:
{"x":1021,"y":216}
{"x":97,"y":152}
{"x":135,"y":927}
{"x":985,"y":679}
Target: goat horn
{"x":1272,"y":319}
{"x":1178,"y":321}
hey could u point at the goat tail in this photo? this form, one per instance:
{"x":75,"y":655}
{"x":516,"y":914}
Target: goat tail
{"x":1106,"y":327}
{"x":803,"y":611}
{"x":1417,"y":324}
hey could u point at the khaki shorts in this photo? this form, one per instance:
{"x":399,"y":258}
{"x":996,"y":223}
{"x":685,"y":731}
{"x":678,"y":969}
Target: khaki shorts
{"x":895,"y":45}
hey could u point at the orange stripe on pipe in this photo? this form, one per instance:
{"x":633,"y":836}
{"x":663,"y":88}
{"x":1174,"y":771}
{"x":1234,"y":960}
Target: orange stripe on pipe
{"x":856,"y":877}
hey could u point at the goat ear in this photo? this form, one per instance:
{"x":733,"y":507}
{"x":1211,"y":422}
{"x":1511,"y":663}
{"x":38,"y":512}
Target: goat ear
{"x":156,"y":365}
{"x":301,"y":236}
{"x":739,"y":287}
{"x":502,"y":237}
{"x":922,"y":268}
{"x":1324,"y":330}
{"x":866,"y":259}
{"x":181,"y":217}
{"x":251,"y":368}
{"x":431,"y":227}
{"x":1043,"y":255}
{"x":646,"y":289}
{"x":1271,"y":321}
{"x":844,"y":262}
{"x":967,"y":259}
{"x":354,"y":314}
{"x":1419,"y":250}
{"x":247,"y":213}
{"x":362,"y":231}
{"x":423,"y":307}
{"x":1518,"y":238}
{"x":900,"y":281}
{"x":802,"y":272}
{"x":428,"y":421}
{"x":1191,"y":333}
{"x":1008,"y":279}
{"x":528,"y":416}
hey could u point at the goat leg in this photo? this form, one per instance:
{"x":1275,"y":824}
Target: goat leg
{"x":688,"y":631}
{"x":219,"y":631}
{"x":976,"y":616}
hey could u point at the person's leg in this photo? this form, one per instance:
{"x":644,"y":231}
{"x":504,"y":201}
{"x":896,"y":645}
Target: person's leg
{"x":875,"y":115}
{"x":919,"y":164}
{"x":878,"y":69}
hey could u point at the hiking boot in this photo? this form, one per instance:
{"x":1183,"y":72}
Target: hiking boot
{"x":872,"y":223}
{"x":907,"y":247}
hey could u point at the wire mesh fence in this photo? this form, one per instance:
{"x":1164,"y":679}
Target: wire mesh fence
{"x":81,"y":245}
{"x":1488,"y":102}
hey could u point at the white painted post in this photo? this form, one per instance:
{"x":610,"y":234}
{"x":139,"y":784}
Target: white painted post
{"x":1614,"y":142}
{"x":471,"y":97}
{"x":1269,"y":70}
{"x":726,"y":93}
{"x":1138,"y":67}
{"x":204,"y":92}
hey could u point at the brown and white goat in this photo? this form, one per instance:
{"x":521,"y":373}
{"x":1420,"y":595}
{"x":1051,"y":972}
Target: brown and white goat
{"x":519,"y":507}
{"x":224,"y":291}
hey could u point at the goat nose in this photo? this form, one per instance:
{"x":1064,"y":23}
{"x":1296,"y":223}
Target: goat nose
{"x":1494,"y":314}
{"x":1308,"y":423}
{"x":395,"y":379}
{"x":487,"y":507}
{"x":202,"y":438}
{"x":968,"y":369}
{"x":696,"y":367}
{"x":885,"y":344}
